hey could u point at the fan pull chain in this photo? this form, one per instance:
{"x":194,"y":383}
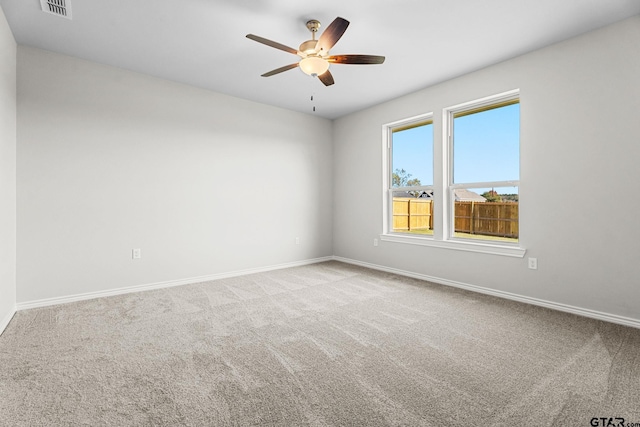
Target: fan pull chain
{"x":312,"y":97}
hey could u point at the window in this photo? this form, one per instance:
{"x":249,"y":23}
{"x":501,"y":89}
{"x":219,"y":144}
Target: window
{"x":484,"y":151}
{"x":410,"y":176}
{"x":474,"y":203}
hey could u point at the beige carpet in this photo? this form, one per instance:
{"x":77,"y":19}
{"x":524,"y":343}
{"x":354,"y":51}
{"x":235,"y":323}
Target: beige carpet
{"x":322,"y":345}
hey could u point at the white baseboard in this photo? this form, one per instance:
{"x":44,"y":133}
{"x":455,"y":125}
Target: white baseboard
{"x":5,"y":322}
{"x":607,"y":317}
{"x":160,"y":285}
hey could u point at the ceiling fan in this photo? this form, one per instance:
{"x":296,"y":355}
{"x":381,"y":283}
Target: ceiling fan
{"x":315,"y":53}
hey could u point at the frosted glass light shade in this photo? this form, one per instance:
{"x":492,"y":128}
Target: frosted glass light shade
{"x":314,"y":65}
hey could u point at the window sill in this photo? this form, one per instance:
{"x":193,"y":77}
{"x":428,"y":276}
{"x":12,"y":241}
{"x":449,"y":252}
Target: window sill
{"x":485,"y":248}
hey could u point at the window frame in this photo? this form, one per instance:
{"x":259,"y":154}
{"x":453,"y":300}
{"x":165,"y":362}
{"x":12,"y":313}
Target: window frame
{"x":388,"y":189}
{"x":448,"y":116}
{"x":443,"y":212}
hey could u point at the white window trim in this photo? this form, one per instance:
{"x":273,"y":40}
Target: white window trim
{"x":445,"y":238}
{"x":387,"y":166}
{"x":458,"y":245}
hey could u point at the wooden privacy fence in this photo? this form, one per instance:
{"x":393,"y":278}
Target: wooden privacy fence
{"x":411,"y":214}
{"x":486,"y":218}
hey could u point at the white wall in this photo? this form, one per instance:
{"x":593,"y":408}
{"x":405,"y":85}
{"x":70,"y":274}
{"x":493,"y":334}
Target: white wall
{"x":7,"y":173}
{"x":580,"y":169}
{"x":203,"y":183}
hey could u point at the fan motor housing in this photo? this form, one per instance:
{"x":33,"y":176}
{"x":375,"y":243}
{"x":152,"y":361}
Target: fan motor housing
{"x":309,"y":46}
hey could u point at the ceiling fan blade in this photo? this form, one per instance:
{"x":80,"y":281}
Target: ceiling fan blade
{"x":356,"y":59}
{"x":326,"y":78}
{"x":280,"y":70}
{"x":272,"y":43}
{"x":332,"y":34}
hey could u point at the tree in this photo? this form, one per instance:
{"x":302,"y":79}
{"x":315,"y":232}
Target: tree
{"x":401,"y":178}
{"x":492,"y":196}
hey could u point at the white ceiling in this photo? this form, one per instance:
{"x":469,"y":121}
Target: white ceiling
{"x":202,"y":42}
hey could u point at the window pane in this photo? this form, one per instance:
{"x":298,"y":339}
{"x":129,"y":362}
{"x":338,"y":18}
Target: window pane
{"x":486,"y":145}
{"x":486,"y":213}
{"x":412,"y":156}
{"x":413,"y":212}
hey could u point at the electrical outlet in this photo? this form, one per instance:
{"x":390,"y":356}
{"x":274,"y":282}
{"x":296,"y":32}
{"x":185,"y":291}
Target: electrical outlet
{"x":533,"y":263}
{"x":136,"y":253}
{"x":297,"y":240}
{"x":375,"y":242}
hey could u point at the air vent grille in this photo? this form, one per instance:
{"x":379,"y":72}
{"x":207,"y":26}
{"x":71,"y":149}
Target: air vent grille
{"x":57,"y":7}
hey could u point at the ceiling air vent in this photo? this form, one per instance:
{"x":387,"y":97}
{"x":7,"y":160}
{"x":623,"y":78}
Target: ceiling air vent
{"x":57,"y":7}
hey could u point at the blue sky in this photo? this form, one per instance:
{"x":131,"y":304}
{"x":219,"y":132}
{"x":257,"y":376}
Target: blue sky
{"x":486,"y":148}
{"x":413,"y":152}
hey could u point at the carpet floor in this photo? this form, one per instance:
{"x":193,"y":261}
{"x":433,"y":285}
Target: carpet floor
{"x":328,"y":344}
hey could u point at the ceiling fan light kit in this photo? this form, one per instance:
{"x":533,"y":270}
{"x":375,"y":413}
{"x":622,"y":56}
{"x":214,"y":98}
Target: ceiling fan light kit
{"x":314,"y":65}
{"x":315,"y":53}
